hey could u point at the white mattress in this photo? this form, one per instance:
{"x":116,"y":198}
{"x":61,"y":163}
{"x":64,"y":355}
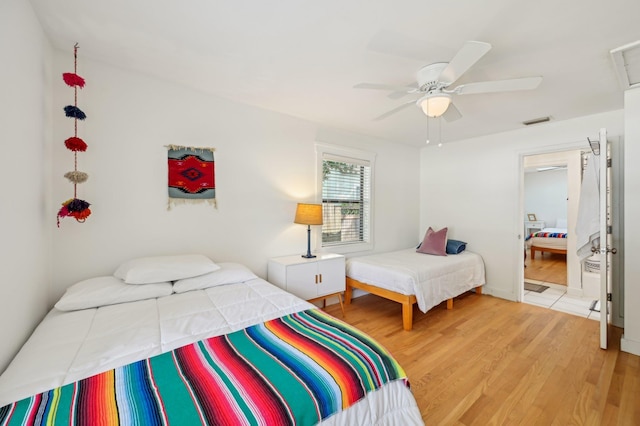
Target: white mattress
{"x":432,"y":279}
{"x":68,"y":346}
{"x":549,"y":242}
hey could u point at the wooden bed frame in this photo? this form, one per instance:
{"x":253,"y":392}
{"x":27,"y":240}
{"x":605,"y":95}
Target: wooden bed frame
{"x":534,"y":249}
{"x":407,"y":301}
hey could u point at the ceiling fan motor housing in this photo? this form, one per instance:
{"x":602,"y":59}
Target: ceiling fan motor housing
{"x":427,"y":77}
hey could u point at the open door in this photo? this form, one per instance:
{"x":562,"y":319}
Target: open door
{"x":606,"y":250}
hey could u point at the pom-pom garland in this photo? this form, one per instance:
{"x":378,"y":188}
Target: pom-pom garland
{"x":76,"y":177}
{"x":75,"y":144}
{"x":75,"y":207}
{"x":74,"y":112}
{"x":73,"y":79}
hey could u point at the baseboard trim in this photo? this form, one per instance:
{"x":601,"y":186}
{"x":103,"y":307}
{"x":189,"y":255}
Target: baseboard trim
{"x":630,"y":346}
{"x":507,"y":295}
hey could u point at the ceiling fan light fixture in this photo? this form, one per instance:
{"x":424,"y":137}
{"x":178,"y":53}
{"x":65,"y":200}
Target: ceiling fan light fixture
{"x":435,"y":104}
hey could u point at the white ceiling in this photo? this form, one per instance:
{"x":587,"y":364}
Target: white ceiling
{"x":303,"y":57}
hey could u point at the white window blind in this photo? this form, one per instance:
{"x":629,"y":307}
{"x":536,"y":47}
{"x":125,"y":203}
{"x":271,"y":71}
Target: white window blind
{"x":346,"y":200}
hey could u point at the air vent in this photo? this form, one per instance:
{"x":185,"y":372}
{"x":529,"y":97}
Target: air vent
{"x":626,"y":60}
{"x":536,"y":121}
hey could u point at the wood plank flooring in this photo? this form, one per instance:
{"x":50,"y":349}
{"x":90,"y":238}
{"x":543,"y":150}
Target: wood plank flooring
{"x":491,"y":361}
{"x":548,"y":267}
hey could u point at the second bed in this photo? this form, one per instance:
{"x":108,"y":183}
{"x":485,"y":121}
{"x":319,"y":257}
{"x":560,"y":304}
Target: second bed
{"x":552,"y":240}
{"x":408,"y":277}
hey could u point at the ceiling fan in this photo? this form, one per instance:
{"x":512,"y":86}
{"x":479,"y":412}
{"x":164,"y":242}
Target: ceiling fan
{"x":433,"y":82}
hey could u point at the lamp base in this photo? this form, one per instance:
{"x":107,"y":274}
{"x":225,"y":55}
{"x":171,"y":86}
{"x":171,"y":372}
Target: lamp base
{"x":308,"y":255}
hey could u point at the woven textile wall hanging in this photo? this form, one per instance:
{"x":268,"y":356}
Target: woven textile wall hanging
{"x":75,"y":207}
{"x":191,"y":175}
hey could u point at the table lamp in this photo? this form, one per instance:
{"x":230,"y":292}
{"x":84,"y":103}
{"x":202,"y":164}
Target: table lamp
{"x":308,"y":214}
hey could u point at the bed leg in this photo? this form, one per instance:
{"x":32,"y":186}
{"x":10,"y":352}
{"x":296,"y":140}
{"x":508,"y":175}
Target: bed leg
{"x":407,"y":316}
{"x":479,"y":290}
{"x":533,"y":253}
{"x":450,"y":303}
{"x":348,"y":292}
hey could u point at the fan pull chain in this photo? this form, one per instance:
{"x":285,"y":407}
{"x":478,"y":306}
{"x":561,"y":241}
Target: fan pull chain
{"x":428,"y":130}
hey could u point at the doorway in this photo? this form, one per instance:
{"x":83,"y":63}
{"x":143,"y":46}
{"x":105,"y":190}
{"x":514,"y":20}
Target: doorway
{"x":551,"y":186}
{"x":545,"y":204}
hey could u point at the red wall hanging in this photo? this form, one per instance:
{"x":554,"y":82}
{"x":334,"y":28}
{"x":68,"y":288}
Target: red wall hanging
{"x":75,"y":207}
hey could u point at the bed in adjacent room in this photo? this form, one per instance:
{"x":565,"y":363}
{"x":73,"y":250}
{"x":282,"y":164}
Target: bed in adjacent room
{"x":550,"y":240}
{"x":216,"y":347}
{"x":412,"y":277}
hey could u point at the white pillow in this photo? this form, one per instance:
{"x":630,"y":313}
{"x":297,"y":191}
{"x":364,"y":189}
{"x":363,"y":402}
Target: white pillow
{"x":103,"y":291}
{"x":229,"y":273}
{"x":147,"y":270}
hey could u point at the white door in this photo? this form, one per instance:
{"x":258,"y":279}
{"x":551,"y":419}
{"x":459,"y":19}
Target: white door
{"x":605,"y":236}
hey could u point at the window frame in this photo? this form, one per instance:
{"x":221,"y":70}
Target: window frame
{"x":356,"y":156}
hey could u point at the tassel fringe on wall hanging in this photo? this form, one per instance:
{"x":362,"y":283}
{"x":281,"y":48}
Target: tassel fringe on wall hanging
{"x":75,"y":207}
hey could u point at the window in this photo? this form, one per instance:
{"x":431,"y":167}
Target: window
{"x":346,"y":188}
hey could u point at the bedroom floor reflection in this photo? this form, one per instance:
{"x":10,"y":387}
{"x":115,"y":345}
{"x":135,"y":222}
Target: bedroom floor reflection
{"x":555,"y":297}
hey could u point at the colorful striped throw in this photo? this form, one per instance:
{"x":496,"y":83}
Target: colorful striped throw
{"x":297,"y":369}
{"x":548,"y":235}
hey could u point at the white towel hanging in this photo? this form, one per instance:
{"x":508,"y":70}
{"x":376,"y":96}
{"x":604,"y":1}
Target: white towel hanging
{"x":588,"y":223}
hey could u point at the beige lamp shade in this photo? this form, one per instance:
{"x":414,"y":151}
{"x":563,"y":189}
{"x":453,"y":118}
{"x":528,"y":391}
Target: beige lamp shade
{"x":308,"y":214}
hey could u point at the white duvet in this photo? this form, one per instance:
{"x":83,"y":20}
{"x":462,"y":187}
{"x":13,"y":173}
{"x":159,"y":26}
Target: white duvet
{"x":68,"y":346}
{"x":433,"y":279}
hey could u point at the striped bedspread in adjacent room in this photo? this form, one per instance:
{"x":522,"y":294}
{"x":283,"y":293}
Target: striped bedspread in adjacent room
{"x":296,"y":369}
{"x":543,"y":234}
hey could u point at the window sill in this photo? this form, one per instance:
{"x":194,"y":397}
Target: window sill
{"x":347,"y":248}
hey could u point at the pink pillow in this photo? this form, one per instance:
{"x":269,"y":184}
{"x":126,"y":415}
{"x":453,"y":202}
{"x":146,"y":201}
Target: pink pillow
{"x":434,"y":242}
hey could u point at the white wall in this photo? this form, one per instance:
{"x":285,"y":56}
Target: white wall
{"x":631,"y":338}
{"x":265,"y":164}
{"x":545,"y":195}
{"x":25,"y":214}
{"x":473,"y":186}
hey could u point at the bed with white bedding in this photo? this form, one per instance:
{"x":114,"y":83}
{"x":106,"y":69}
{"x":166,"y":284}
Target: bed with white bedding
{"x":409,"y":277}
{"x":551,"y":240}
{"x":73,"y":352}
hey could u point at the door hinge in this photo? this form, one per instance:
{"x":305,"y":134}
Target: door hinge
{"x":608,"y":162}
{"x":609,"y":297}
{"x":609,"y":229}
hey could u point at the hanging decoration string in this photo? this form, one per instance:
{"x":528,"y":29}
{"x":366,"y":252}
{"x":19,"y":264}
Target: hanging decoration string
{"x":75,"y":207}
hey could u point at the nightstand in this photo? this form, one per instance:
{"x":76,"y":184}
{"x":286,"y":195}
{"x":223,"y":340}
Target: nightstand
{"x":312,"y":279}
{"x":530,"y":226}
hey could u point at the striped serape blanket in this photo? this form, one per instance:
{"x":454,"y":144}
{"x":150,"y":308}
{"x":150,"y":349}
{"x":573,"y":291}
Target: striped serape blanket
{"x":297,"y":369}
{"x":542,"y":234}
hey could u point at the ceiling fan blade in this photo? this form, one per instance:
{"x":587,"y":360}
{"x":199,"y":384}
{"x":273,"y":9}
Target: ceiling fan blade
{"x":393,"y":111}
{"x":377,"y":86}
{"x":526,"y":83}
{"x":411,"y":88}
{"x":469,"y":54}
{"x":452,"y":113}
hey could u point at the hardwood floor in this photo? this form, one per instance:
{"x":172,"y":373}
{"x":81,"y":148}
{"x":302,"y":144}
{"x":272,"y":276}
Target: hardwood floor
{"x":491,"y":361}
{"x":548,"y":267}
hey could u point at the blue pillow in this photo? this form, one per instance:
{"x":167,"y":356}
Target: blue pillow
{"x":455,"y":246}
